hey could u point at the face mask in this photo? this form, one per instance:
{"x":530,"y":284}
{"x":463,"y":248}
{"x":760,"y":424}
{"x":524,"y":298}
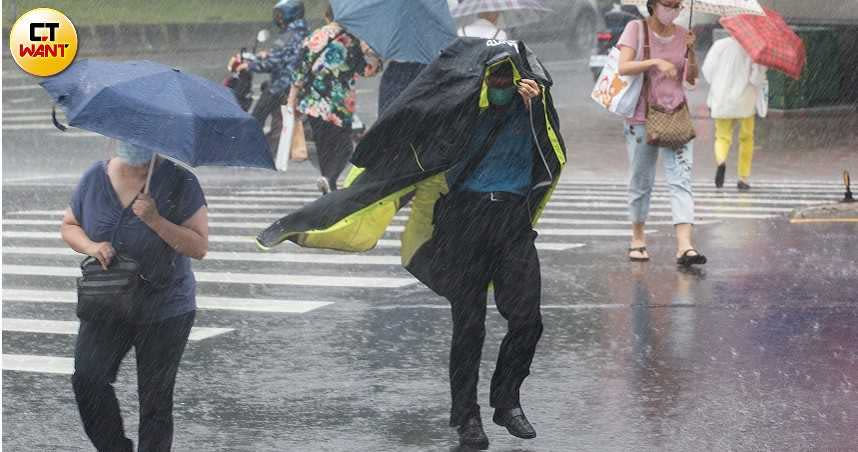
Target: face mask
{"x":666,"y":15}
{"x":133,"y":155}
{"x":501,"y":96}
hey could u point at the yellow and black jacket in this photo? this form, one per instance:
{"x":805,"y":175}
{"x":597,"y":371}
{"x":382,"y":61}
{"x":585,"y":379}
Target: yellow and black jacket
{"x":422,"y":135}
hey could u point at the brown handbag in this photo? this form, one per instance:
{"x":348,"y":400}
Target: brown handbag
{"x":667,"y":128}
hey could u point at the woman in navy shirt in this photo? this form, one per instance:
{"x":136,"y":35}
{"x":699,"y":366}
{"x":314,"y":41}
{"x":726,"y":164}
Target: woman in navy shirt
{"x":161,"y":228}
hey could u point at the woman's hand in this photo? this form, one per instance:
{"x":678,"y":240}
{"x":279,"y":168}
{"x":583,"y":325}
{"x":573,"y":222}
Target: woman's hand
{"x":667,"y":68}
{"x":527,"y":89}
{"x":145,"y":209}
{"x":103,"y":252}
{"x":690,"y":40}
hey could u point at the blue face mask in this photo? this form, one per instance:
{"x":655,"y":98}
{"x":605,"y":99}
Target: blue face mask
{"x":133,"y":155}
{"x":501,"y":96}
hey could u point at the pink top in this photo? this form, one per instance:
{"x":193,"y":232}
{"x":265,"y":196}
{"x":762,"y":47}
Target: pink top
{"x":664,"y":91}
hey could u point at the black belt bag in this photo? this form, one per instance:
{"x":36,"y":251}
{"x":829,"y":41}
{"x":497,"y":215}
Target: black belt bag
{"x":115,"y":293}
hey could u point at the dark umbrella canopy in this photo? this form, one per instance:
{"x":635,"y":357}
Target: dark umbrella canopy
{"x":403,"y":30}
{"x":160,"y":108}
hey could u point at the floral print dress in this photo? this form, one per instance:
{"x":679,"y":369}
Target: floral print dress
{"x":337,"y":58}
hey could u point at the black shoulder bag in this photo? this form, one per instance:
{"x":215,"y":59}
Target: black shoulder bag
{"x":118,"y":292}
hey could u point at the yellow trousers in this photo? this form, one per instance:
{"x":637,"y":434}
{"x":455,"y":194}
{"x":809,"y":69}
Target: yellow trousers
{"x":724,"y":138}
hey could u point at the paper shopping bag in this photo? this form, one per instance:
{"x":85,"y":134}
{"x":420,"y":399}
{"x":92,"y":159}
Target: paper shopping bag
{"x":281,"y":161}
{"x":299,"y":143}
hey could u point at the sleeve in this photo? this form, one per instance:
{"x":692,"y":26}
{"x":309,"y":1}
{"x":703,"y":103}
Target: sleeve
{"x":192,"y":198}
{"x":262,"y":64}
{"x":710,"y":64}
{"x":302,"y":68}
{"x":629,"y":38}
{"x":80,"y":192}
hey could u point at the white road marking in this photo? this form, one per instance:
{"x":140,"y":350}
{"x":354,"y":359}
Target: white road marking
{"x":22,"y":100}
{"x":71,"y":327}
{"x":251,"y":240}
{"x":698,"y":201}
{"x":38,"y":364}
{"x":203,"y":302}
{"x":238,"y":278}
{"x":21,"y":88}
{"x":26,"y":118}
{"x":304,"y":258}
{"x":19,"y":111}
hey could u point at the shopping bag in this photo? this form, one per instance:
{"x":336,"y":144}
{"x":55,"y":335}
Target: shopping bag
{"x":299,"y":143}
{"x":763,"y":100}
{"x":617,"y":93}
{"x":281,"y":160}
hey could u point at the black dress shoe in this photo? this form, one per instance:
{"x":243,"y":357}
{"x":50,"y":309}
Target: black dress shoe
{"x":743,"y":186}
{"x":471,"y":434}
{"x":719,"y":175}
{"x":515,"y":421}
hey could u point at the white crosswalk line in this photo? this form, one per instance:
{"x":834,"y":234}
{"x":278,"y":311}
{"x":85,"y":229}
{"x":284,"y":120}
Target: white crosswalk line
{"x":26,"y":118}
{"x":203,"y":302}
{"x":26,"y":111}
{"x":38,"y":364}
{"x":22,"y":100}
{"x":247,"y":239}
{"x":305,"y":258}
{"x":30,"y":127}
{"x":238,"y":278}
{"x":21,"y":88}
{"x":70,"y":327}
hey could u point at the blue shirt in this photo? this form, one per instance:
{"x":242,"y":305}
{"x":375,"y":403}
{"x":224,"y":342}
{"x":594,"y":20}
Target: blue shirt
{"x":507,"y":166}
{"x":284,"y":56}
{"x":97,"y":208}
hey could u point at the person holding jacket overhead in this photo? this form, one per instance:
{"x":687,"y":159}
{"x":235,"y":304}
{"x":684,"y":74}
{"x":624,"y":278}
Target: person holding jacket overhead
{"x":672,"y":62}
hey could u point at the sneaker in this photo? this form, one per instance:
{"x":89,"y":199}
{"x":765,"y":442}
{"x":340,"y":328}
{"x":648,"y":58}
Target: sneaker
{"x":743,"y":186}
{"x":719,"y":175}
{"x":323,"y":185}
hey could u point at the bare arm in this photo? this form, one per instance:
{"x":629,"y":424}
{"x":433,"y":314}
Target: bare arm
{"x":191,"y":238}
{"x":76,"y":238}
{"x":629,"y":66}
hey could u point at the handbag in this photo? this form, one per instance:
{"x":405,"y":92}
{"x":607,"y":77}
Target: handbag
{"x":667,"y":128}
{"x":114,"y":293}
{"x":619,"y":94}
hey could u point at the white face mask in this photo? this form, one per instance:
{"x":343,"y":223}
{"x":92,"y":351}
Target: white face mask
{"x":666,"y":15}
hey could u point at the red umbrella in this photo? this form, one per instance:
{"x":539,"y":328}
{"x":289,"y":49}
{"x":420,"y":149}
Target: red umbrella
{"x":769,"y":41}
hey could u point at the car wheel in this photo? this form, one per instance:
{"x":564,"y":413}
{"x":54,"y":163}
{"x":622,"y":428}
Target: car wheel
{"x":583,"y":36}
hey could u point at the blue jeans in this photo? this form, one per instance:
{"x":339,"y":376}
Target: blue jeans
{"x":677,"y":170}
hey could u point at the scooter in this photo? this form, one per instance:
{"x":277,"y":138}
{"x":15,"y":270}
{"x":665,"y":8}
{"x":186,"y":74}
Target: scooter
{"x":240,"y":82}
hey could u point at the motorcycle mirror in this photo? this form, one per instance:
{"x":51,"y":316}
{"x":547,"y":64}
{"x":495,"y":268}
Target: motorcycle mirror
{"x":263,"y":35}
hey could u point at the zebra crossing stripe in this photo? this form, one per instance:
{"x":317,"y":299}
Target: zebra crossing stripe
{"x":302,"y":258}
{"x":38,"y":364}
{"x":238,"y":278}
{"x":247,"y":239}
{"x":70,"y":327}
{"x":203,"y":302}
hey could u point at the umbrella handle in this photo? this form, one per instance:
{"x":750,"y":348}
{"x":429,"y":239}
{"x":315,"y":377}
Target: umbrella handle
{"x":57,"y":122}
{"x":149,"y":176}
{"x":691,"y":14}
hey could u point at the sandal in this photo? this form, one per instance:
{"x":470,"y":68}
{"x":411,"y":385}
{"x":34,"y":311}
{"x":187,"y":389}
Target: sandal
{"x":686,"y":261}
{"x":640,"y":249}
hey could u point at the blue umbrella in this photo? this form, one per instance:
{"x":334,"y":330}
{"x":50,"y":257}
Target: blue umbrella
{"x":403,"y":30}
{"x":157,"y":107}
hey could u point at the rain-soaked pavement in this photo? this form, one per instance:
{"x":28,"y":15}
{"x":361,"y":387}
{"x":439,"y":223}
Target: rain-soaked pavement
{"x":755,"y":351}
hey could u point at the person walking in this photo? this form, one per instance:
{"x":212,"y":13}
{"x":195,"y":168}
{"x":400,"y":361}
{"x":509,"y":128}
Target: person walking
{"x":112,"y":214}
{"x":323,"y":90}
{"x":487,"y":198}
{"x":280,"y":61}
{"x":737,"y":85}
{"x":672,"y":61}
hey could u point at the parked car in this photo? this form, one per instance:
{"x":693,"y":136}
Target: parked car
{"x":574,"y":22}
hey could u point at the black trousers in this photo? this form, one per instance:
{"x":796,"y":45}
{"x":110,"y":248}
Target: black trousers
{"x":100,"y":348}
{"x":333,"y":146}
{"x":489,"y":242}
{"x":269,"y":104}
